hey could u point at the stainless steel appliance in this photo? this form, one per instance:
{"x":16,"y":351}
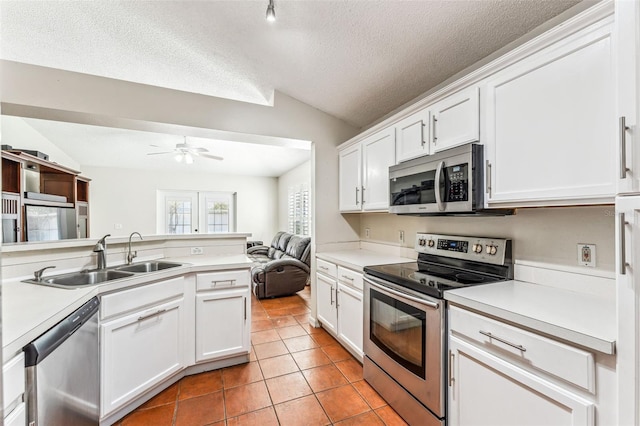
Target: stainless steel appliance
{"x":449,"y":182}
{"x":63,"y":374}
{"x":405,"y":322}
{"x":45,"y":223}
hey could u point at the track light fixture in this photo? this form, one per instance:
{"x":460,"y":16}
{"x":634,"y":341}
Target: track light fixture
{"x":271,"y":12}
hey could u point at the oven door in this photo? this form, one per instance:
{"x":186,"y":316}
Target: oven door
{"x":404,"y":335}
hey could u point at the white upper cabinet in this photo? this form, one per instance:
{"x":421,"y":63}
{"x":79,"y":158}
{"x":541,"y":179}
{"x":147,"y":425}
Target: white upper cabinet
{"x":455,"y":120}
{"x":550,"y":125}
{"x":378,"y":153}
{"x":412,"y":136}
{"x":364,"y":173}
{"x":628,"y":83}
{"x":350,"y":179}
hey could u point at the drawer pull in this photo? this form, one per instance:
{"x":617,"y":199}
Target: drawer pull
{"x":156,"y":313}
{"x":347,"y":278}
{"x":324,"y":268}
{"x":228,"y":282}
{"x":506,"y":342}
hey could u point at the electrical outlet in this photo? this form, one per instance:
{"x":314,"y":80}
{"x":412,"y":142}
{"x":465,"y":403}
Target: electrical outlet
{"x":587,"y":255}
{"x":117,"y":226}
{"x":197,"y":250}
{"x":367,"y":233}
{"x":401,"y":236}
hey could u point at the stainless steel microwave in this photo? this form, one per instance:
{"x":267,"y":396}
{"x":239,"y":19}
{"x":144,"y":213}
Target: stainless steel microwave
{"x":449,"y":182}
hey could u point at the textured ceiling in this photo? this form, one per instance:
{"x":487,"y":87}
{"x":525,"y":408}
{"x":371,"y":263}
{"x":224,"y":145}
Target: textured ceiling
{"x":357,"y":60}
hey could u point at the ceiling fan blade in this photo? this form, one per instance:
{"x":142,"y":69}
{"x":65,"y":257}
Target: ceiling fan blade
{"x":157,"y":153}
{"x":210,"y":156}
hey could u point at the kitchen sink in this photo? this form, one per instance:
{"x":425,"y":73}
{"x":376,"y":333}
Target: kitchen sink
{"x":151,"y":266}
{"x":82,"y":278}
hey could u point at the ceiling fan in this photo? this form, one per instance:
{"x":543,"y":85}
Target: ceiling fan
{"x":185,"y":152}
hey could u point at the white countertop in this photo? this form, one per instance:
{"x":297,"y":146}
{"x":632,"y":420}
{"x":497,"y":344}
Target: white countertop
{"x":583,"y":319}
{"x":358,"y":259}
{"x":28,"y":310}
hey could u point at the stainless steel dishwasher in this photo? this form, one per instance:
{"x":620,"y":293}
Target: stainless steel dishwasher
{"x":63,"y":371}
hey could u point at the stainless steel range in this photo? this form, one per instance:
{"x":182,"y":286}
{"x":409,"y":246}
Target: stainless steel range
{"x":405,"y":320}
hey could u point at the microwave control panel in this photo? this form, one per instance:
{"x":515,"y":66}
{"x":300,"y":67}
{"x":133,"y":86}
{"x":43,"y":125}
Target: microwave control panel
{"x":458,"y":182}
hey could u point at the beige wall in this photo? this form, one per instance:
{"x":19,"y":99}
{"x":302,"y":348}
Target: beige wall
{"x":547,"y":235}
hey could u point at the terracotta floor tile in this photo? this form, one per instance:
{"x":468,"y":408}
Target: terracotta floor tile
{"x":278,"y":366}
{"x":302,"y":319}
{"x":291,"y":331}
{"x":336,"y":352}
{"x":324,"y":377}
{"x":283,"y":321}
{"x":351,"y":369}
{"x":252,"y":355}
{"x":310,"y":358}
{"x":201,"y":410}
{"x":264,"y":417}
{"x":299,"y":310}
{"x":288,"y":387}
{"x":246,"y":398}
{"x":241,"y":374}
{"x":369,"y":394}
{"x":271,"y":349}
{"x":280,"y":312}
{"x":200,"y":384}
{"x":157,"y":416}
{"x":167,"y":396}
{"x":367,"y":419}
{"x":264,"y":336}
{"x":323,"y":338}
{"x":341,"y":403}
{"x":301,"y":343}
{"x":259,"y":315}
{"x":302,"y":412}
{"x":261,"y":325}
{"x":390,"y":417}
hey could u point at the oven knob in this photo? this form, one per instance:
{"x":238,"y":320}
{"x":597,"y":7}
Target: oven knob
{"x":431,"y":243}
{"x":477,"y":248}
{"x":487,"y":249}
{"x":494,"y":250}
{"x":421,"y":242}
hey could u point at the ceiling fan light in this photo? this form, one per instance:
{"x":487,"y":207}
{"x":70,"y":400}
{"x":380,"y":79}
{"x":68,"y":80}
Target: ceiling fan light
{"x":271,"y":12}
{"x":188,"y":158}
{"x":178,"y":157}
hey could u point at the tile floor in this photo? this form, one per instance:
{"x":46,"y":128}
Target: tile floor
{"x":298,"y":375}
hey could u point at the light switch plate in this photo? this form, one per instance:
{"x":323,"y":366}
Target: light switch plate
{"x":587,"y":255}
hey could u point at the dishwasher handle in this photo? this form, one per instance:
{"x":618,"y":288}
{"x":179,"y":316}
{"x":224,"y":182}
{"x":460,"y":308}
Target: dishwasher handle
{"x":40,"y":348}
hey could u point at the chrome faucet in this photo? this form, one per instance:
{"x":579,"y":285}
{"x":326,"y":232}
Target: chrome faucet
{"x":101,"y":249}
{"x":132,"y":255}
{"x":38,"y":274}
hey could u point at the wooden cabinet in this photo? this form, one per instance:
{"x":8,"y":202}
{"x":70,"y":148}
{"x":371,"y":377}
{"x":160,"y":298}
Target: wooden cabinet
{"x":455,"y":120}
{"x":502,"y":375}
{"x":412,"y":136}
{"x":325,"y":296}
{"x":364,"y":173}
{"x":550,"y":129}
{"x":223,"y":315}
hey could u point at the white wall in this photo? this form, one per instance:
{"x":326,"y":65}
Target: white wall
{"x":547,"y":235}
{"x":297,"y":176}
{"x":128,"y":197}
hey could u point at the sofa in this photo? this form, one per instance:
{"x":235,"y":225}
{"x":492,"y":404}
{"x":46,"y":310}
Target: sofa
{"x":282,"y":268}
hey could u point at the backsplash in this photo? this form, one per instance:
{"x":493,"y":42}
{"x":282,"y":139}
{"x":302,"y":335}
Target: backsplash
{"x":548,"y":235}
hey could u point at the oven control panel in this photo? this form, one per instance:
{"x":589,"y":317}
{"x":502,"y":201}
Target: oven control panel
{"x":481,"y":249}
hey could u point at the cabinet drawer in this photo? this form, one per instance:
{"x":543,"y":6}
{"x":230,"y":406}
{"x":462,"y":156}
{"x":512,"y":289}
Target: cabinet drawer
{"x":350,"y":278}
{"x":524,"y":348}
{"x":12,"y":380}
{"x":139,"y":297}
{"x":326,"y":268}
{"x":223,"y":279}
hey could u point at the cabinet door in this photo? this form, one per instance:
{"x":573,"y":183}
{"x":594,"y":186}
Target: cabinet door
{"x":222,"y":324}
{"x":327,"y":312}
{"x":456,"y":120}
{"x":139,"y":351}
{"x":350,"y":317}
{"x":627,"y":20}
{"x":350,"y":181}
{"x":412,"y":136}
{"x":486,"y":390}
{"x":550,"y":126}
{"x":18,"y":417}
{"x":378,"y":153}
{"x":627,"y":258}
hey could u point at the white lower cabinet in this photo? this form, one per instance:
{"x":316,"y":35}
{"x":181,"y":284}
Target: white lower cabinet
{"x":17,"y":417}
{"x":140,"y":350}
{"x":13,"y":387}
{"x":325,"y":295}
{"x":350,"y":316}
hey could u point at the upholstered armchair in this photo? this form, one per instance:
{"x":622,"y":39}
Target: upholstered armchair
{"x":283,"y":268}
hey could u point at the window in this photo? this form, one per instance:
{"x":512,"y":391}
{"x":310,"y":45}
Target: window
{"x":299,"y":210}
{"x":186,"y":212}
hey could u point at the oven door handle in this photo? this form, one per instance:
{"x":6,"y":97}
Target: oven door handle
{"x":437,"y":186}
{"x":406,"y":296}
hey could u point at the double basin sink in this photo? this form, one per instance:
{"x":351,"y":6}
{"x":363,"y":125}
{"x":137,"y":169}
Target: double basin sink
{"x":97,"y":276}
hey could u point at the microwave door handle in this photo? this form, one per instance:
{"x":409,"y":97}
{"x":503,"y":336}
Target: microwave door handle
{"x":437,"y":186}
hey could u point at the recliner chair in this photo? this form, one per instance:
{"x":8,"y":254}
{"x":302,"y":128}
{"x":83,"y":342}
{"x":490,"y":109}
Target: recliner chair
{"x":283,"y":267}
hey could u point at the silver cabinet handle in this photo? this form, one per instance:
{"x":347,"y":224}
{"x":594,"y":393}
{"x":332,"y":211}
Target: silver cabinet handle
{"x":506,"y":342}
{"x":230,"y":282}
{"x":437,"y":186}
{"x":488,"y":178}
{"x":422,"y":141}
{"x":347,"y":278}
{"x":434,"y":120}
{"x":357,"y":190}
{"x":623,"y":147}
{"x":332,"y":295}
{"x":324,"y":268}
{"x":156,"y":313}
{"x":245,"y":308}
{"x":452,"y":358}
{"x":622,"y":248}
{"x":363,"y":188}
